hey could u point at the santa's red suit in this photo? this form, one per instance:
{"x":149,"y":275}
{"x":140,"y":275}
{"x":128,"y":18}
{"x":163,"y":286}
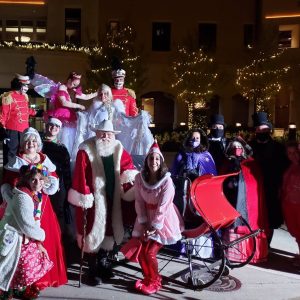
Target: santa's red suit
{"x":127,"y":96}
{"x":105,"y":224}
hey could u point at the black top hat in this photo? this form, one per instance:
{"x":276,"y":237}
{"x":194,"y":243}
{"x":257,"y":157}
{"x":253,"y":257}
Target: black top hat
{"x":217,"y":119}
{"x":261,"y":118}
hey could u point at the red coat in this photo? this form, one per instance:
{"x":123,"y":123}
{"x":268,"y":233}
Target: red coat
{"x":15,"y":111}
{"x":57,"y":275}
{"x":88,"y":192}
{"x":129,"y":102}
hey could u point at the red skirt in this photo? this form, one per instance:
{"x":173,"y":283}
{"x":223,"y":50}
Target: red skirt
{"x":53,"y":244}
{"x":244,"y":249}
{"x":291,"y":213}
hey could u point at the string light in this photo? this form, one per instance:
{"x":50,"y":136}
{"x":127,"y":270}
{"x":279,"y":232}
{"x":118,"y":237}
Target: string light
{"x":52,"y":47}
{"x":117,"y":44}
{"x":261,"y":80}
{"x":194,"y":77}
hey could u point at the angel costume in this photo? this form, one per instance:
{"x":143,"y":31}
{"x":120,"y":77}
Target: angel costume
{"x":135,"y":135}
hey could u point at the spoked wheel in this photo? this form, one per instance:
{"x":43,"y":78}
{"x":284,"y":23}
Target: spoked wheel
{"x":240,"y":244}
{"x":205,"y":271}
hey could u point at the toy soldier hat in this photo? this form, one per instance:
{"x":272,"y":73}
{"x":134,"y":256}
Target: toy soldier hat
{"x":23,"y":79}
{"x":54,"y":121}
{"x":118,"y":73}
{"x":261,"y":118}
{"x":105,"y":125}
{"x":217,"y":119}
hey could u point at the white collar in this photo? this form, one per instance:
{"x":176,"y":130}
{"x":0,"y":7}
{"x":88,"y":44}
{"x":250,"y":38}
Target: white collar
{"x":15,"y":164}
{"x":157,"y":184}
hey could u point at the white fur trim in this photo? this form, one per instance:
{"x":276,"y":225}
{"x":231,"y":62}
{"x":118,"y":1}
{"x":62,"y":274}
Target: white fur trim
{"x":95,"y":238}
{"x":52,"y":187}
{"x":6,"y":192}
{"x":77,"y":199}
{"x":119,"y":106}
{"x":129,"y":195}
{"x":128,"y":176}
{"x":156,"y":185}
{"x":15,"y":164}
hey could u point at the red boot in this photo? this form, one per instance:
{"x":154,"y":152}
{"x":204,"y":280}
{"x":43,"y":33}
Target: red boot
{"x":153,"y":287}
{"x":145,"y":269}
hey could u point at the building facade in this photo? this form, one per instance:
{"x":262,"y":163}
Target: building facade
{"x":227,"y":29}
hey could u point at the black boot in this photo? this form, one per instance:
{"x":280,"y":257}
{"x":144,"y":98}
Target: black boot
{"x":93,"y":277}
{"x":104,"y":266}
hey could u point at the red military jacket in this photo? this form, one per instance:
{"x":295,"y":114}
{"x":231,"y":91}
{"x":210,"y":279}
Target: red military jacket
{"x":126,"y":96}
{"x":15,"y":111}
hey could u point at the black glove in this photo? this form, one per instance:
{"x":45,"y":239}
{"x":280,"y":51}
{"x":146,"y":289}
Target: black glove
{"x":39,"y":113}
{"x":3,"y":134}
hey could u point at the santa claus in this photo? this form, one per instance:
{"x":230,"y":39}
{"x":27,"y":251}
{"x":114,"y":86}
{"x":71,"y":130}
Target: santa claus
{"x":102,"y":190}
{"x":127,"y":96}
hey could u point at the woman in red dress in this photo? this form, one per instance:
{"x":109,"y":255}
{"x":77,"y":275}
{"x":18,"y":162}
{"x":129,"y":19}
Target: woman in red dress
{"x":30,"y":155}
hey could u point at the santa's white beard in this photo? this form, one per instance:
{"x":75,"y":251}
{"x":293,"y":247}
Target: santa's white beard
{"x":105,"y":147}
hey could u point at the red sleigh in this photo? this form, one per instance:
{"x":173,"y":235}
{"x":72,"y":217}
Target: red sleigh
{"x":215,"y":216}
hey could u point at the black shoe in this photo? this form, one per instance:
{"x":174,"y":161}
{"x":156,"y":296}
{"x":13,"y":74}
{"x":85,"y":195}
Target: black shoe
{"x":106,"y":274}
{"x":93,"y":280}
{"x":105,"y":270}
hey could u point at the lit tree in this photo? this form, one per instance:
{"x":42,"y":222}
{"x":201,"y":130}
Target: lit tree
{"x":117,"y":45}
{"x":194,"y":81}
{"x":262,"y":79}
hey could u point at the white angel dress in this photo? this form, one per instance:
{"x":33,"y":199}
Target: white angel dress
{"x":96,"y":113}
{"x":135,"y":135}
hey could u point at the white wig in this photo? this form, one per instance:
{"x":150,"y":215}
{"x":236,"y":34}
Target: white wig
{"x":27,"y":134}
{"x":106,"y":88}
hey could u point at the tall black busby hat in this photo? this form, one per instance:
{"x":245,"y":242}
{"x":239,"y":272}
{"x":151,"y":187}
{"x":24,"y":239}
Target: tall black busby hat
{"x":261,"y":118}
{"x":217,"y":119}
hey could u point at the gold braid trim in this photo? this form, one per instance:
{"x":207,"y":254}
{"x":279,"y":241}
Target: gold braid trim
{"x":7,"y":99}
{"x":131,"y":93}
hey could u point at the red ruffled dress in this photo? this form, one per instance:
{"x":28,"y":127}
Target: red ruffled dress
{"x":53,"y":244}
{"x":291,"y":200}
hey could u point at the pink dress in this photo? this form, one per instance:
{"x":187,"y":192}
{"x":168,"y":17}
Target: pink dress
{"x":291,"y":200}
{"x":65,"y":114}
{"x":154,"y":207}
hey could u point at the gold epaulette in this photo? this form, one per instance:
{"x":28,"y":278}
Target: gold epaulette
{"x":7,"y":99}
{"x":131,"y":93}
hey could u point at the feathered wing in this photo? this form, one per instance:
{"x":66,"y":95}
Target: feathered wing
{"x":135,"y":135}
{"x":44,"y":86}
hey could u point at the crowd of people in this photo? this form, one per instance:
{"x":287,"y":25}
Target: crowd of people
{"x":79,"y":181}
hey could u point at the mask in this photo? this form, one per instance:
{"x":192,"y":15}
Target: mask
{"x":237,"y":152}
{"x":119,"y":83}
{"x":24,"y":89}
{"x":217,"y":133}
{"x":194,"y":143}
{"x":262,"y":136}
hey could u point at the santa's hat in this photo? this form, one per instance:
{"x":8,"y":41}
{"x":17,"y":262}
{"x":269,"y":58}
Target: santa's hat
{"x":155,"y":149}
{"x":54,"y":121}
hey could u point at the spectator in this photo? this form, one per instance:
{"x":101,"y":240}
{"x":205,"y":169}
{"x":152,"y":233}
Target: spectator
{"x":290,"y":195}
{"x":272,"y":159}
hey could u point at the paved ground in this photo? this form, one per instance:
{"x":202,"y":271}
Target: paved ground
{"x":275,"y":280}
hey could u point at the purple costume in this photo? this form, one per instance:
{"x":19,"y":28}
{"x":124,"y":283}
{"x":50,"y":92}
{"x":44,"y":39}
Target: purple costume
{"x":199,"y":163}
